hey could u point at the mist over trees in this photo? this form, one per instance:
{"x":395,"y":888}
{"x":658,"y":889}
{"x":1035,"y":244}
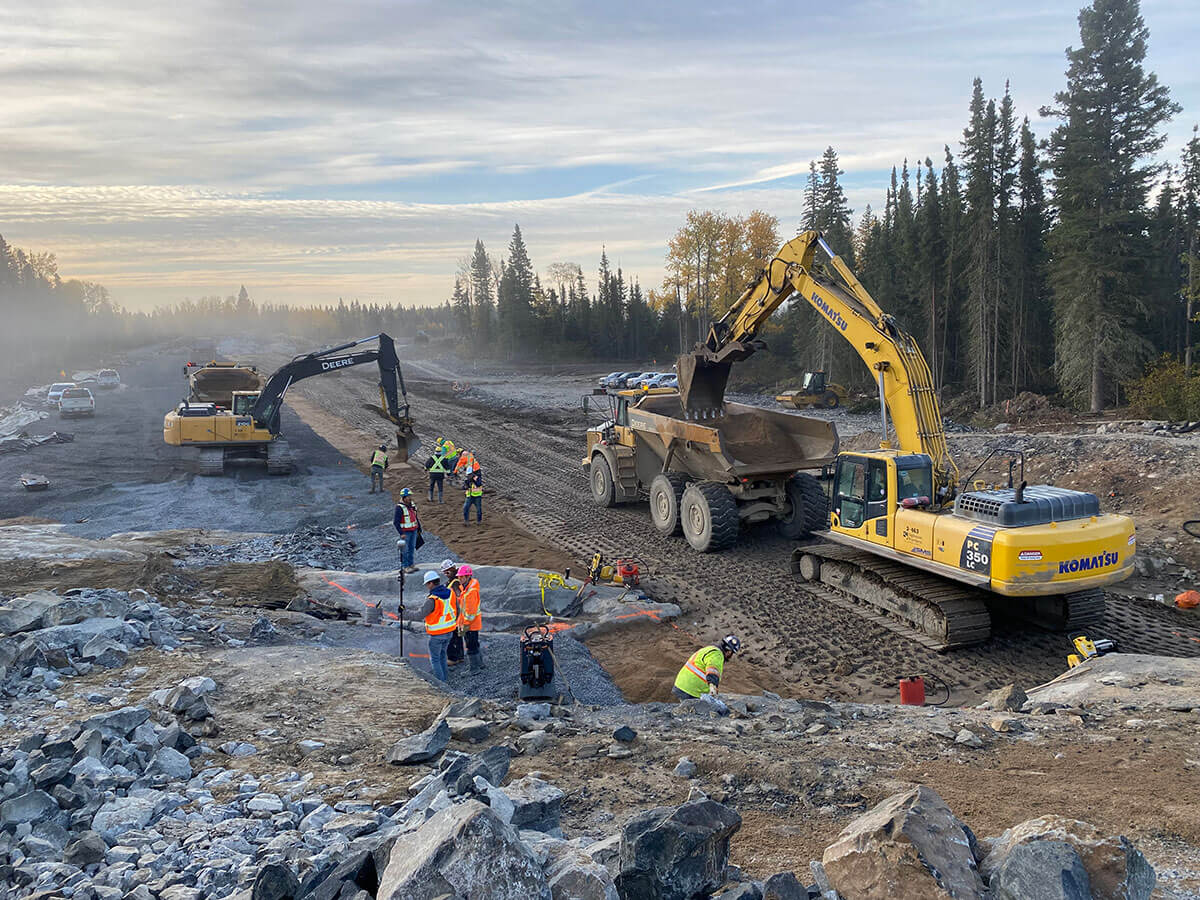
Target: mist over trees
{"x":1061,"y":263}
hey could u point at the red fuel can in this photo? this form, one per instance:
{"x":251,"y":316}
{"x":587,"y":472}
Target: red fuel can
{"x":912,"y":691}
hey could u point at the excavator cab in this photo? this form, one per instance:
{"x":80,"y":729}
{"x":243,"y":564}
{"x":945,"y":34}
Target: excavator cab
{"x":814,"y":382}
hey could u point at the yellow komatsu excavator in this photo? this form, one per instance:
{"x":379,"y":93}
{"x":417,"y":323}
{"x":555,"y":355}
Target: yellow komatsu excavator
{"x":936,"y":556}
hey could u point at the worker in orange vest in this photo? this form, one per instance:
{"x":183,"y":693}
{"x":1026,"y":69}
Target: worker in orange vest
{"x":470,"y":619}
{"x":441,"y":616}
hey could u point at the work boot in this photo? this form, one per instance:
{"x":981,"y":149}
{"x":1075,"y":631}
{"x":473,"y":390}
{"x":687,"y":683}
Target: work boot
{"x":476,"y":661}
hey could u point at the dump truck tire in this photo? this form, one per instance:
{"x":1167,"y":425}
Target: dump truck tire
{"x":666,"y":493}
{"x":601,"y":480}
{"x":709,"y":515}
{"x":831,"y":400}
{"x":808,"y":508}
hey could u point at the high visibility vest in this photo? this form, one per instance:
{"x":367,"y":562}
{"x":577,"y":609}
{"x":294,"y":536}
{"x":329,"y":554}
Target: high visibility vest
{"x":379,"y":458}
{"x":465,"y":461}
{"x":474,"y":489}
{"x":439,"y":465}
{"x":693,"y":677}
{"x":467,"y":599}
{"x":444,"y":616}
{"x":408,"y":517}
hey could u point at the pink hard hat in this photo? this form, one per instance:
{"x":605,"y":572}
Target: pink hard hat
{"x":465,"y":571}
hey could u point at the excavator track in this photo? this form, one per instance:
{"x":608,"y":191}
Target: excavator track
{"x":934,"y":612}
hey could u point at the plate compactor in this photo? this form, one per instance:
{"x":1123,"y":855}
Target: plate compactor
{"x":537,"y":664}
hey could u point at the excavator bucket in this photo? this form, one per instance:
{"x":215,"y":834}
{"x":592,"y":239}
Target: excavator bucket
{"x":701,"y":384}
{"x":406,"y":441}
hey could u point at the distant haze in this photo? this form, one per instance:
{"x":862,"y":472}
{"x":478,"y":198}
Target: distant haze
{"x":313,"y":151}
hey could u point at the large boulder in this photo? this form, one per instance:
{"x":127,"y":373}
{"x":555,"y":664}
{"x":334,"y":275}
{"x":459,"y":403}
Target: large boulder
{"x":1048,"y":870}
{"x":1009,"y":698}
{"x":1116,"y":869}
{"x":86,"y":849}
{"x":25,"y":613}
{"x":463,"y":851}
{"x":536,"y":804}
{"x":420,"y":747}
{"x":31,"y":807}
{"x":119,"y":723}
{"x":187,"y":698}
{"x":122,"y":814}
{"x":676,"y":853}
{"x":75,"y":637}
{"x":909,"y":847}
{"x":170,"y":762}
{"x":92,"y":605}
{"x":574,"y":875}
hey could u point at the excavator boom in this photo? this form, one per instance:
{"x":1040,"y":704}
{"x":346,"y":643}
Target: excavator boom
{"x":905,"y":382}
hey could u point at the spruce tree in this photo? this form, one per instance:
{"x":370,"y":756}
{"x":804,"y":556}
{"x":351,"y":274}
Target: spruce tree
{"x":979,"y":160}
{"x":1031,"y":328}
{"x":482,"y":303}
{"x":1102,"y":156}
{"x":1189,"y":214}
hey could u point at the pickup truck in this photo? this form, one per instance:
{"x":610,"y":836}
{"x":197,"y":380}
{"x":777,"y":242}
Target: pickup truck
{"x":56,"y":391}
{"x":76,"y":401}
{"x":108,"y":378}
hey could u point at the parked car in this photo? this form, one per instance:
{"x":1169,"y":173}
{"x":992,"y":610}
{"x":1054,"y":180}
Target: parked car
{"x":607,"y":380}
{"x":669,"y":380}
{"x":76,"y":401}
{"x":56,"y":391}
{"x":108,"y":378}
{"x":628,"y":379}
{"x":646,"y":379}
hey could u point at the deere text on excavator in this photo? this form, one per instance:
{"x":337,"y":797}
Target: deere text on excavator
{"x":904,"y":536}
{"x":250,"y":427}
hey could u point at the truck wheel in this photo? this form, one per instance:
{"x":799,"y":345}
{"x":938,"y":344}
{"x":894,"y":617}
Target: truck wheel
{"x":666,"y":491}
{"x":807,"y":508}
{"x":601,"y":478}
{"x":830,"y":399}
{"x":709,"y":516}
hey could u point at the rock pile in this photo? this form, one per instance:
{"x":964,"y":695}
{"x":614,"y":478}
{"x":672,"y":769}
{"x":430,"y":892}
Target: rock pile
{"x":311,"y":546}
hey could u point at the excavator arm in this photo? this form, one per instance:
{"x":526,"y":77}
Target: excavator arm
{"x":393,"y":396}
{"x":905,"y":382}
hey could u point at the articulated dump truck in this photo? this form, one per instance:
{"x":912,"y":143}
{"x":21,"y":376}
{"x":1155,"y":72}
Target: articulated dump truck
{"x":704,"y":478}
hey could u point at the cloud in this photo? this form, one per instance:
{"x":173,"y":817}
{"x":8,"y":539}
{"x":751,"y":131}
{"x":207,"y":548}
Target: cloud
{"x":366,"y":145}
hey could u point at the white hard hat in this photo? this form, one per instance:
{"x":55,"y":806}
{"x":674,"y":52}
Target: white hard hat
{"x":431,"y":576}
{"x":449,"y":564}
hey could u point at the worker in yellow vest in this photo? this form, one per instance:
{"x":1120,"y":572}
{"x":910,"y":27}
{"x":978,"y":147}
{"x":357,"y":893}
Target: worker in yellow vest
{"x":379,"y":462}
{"x":702,"y":672}
{"x":441,"y":617}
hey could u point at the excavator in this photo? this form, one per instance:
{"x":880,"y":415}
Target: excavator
{"x":932,"y":554}
{"x":250,"y":427}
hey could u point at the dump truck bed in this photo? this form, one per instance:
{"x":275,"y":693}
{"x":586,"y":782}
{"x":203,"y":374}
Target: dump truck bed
{"x":746,"y":442}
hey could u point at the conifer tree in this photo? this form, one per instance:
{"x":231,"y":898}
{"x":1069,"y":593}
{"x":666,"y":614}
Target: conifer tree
{"x":1102,"y":155}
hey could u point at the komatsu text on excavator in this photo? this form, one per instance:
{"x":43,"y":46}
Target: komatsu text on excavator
{"x":906,"y":536}
{"x":250,"y":429}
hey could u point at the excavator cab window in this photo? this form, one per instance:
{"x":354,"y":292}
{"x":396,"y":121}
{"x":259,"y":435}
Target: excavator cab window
{"x":814,"y":383}
{"x":876,"y":489}
{"x":851,"y":496}
{"x":914,"y":482}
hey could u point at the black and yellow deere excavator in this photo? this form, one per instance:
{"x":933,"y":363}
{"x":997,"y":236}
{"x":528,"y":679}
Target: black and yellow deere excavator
{"x":905,"y":536}
{"x":250,"y":428}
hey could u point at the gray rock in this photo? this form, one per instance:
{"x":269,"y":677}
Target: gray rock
{"x":607,"y":852}
{"x":30,"y":807}
{"x":1116,"y":869}
{"x":463,"y":851}
{"x":420,"y":747}
{"x":685,"y":768}
{"x":25,"y":613}
{"x":118,"y":723}
{"x":533,"y":711}
{"x":269,"y":803}
{"x":275,"y":882}
{"x":676,"y":853}
{"x":1009,"y":698}
{"x":75,"y":637}
{"x":470,"y":730}
{"x":1048,"y":870}
{"x":50,"y":773}
{"x":86,"y":849}
{"x":968,"y":738}
{"x":537,"y":804}
{"x":186,"y":699}
{"x":351,"y":825}
{"x":171,"y":763}
{"x":907,"y":847}
{"x":307,"y":748}
{"x":104,"y":651}
{"x":573,"y":875}
{"x":624,"y":734}
{"x":533,"y":742}
{"x":316,"y":819}
{"x":238,"y":748}
{"x":750,"y":890}
{"x":784,"y":886}
{"x":122,"y":814}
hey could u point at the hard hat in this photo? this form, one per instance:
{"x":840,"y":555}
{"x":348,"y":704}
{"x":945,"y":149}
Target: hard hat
{"x":431,"y":576}
{"x":383,"y":446}
{"x":465,"y":572}
{"x":448,"y":564}
{"x":731,"y":643}
{"x":405,"y":492}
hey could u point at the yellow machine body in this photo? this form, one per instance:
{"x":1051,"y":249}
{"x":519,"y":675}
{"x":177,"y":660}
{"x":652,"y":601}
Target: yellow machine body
{"x":1048,"y":558}
{"x":182,"y":428}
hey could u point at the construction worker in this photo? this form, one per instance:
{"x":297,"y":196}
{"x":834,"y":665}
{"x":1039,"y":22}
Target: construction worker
{"x":455,"y":652}
{"x":440,"y":616}
{"x":465,"y":464}
{"x":702,"y":672}
{"x":437,"y":466}
{"x":470,"y":618}
{"x":473,"y":492}
{"x":408,"y":524}
{"x":379,"y":462}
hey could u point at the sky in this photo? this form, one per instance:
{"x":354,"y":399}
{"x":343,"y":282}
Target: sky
{"x":315,"y":151}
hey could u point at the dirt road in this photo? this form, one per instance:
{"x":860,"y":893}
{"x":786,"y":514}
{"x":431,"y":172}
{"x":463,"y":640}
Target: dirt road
{"x":797,"y":644}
